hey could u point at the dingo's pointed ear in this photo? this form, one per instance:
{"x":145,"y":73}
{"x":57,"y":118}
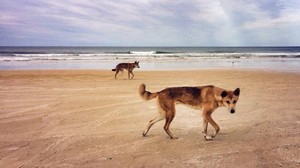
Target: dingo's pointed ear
{"x":224,"y":94}
{"x":236,"y":92}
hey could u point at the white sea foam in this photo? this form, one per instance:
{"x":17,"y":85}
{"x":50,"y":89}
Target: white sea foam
{"x":142,"y":52}
{"x":144,"y":56}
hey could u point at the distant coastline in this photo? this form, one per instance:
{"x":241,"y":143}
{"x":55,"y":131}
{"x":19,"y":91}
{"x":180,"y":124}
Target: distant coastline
{"x":273,"y":58}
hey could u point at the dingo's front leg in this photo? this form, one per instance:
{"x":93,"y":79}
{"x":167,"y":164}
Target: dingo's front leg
{"x":205,"y":124}
{"x":207,"y":118}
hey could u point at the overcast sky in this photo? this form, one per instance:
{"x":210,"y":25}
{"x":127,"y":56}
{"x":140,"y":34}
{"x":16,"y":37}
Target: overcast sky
{"x":150,"y":22}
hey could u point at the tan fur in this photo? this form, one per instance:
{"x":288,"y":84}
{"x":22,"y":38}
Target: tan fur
{"x":208,"y":98}
{"x":128,"y":66}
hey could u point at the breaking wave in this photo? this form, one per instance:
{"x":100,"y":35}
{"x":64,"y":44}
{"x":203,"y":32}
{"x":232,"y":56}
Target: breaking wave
{"x":143,"y":53}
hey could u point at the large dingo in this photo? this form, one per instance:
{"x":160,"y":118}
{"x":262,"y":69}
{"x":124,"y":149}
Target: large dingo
{"x":207,"y":97}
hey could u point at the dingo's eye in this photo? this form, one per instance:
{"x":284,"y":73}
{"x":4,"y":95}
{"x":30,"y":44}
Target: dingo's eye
{"x":228,"y":102}
{"x":234,"y":101}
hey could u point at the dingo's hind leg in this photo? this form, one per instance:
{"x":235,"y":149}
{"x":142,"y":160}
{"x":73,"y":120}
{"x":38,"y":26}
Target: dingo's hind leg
{"x":152,"y":122}
{"x":167,"y":126}
{"x":168,"y":107}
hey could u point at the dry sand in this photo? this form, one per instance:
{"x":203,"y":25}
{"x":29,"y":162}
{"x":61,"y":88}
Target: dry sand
{"x":88,"y":119}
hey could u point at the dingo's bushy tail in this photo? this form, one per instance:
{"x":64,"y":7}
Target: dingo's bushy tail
{"x":146,"y":95}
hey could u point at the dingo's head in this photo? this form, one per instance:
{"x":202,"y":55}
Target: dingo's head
{"x":230,"y":98}
{"x":136,"y":64}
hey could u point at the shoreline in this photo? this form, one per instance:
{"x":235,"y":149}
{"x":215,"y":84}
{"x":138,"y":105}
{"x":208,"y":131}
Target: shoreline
{"x":279,"y":64}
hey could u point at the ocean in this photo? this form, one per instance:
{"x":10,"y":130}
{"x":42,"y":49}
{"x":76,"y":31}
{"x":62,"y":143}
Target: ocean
{"x":151,"y":58}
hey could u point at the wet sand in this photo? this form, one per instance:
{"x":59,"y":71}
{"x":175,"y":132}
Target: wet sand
{"x":79,"y":118}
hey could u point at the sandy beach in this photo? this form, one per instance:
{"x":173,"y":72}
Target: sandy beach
{"x":86,"y":118}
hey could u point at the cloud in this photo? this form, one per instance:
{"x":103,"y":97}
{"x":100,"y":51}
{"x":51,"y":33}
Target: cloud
{"x":283,"y":18}
{"x":148,"y":22}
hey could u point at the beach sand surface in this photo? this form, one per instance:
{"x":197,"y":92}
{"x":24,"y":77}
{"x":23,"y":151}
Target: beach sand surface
{"x":79,"y":118}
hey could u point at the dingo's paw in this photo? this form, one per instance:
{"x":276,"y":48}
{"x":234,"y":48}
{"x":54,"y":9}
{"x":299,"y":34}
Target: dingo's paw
{"x":208,"y":138}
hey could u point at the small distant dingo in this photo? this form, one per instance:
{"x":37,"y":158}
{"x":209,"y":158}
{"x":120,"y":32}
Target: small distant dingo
{"x":207,"y":97}
{"x":128,"y":66}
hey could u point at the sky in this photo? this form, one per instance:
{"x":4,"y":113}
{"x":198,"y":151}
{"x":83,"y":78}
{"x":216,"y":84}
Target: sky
{"x":150,"y":23}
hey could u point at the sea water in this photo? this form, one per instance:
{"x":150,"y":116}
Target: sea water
{"x":151,"y":58}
